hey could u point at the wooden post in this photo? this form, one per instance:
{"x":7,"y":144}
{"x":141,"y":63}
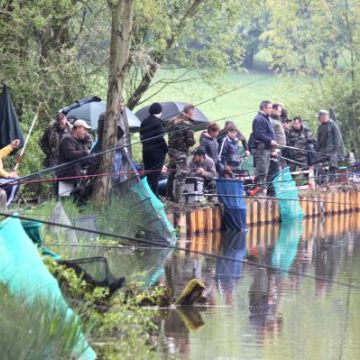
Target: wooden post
{"x":217,"y":218}
{"x":255,"y":212}
{"x":208,"y":215}
{"x":261,"y":209}
{"x":276,"y":211}
{"x":191,"y":222}
{"x":199,"y":218}
{"x":248,"y":212}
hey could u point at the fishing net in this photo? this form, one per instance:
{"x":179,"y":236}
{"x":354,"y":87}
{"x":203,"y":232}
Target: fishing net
{"x":286,"y":247}
{"x":287,"y":194}
{"x":26,"y":276}
{"x":95,"y":271}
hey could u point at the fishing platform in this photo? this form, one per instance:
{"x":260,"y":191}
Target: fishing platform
{"x":317,"y":203}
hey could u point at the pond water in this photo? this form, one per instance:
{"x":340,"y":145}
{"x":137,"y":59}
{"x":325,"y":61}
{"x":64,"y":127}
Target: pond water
{"x":254,"y":311}
{"x":284,"y":301}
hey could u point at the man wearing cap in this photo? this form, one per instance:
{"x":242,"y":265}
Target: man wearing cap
{"x":202,"y":166}
{"x":330,"y":144}
{"x":74,"y":147}
{"x":154,"y":148}
{"x":181,"y":139}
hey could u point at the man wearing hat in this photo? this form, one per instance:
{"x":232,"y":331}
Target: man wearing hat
{"x":330,"y":144}
{"x":154,"y":147}
{"x":73,"y":147}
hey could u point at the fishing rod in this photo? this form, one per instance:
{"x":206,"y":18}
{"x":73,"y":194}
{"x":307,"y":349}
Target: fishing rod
{"x":311,"y":151}
{"x":93,"y":156}
{"x":144,"y":173}
{"x":294,"y":161}
{"x":204,"y":102}
{"x":28,"y":137}
{"x":177,"y":248}
{"x":273,"y":198}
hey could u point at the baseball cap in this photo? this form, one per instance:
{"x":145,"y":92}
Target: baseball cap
{"x":82,"y":123}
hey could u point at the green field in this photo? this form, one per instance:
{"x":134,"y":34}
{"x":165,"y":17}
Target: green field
{"x":244,"y":101}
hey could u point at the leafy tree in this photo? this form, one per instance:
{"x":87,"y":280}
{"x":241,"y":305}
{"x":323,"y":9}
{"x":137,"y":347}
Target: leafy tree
{"x":315,"y":38}
{"x":38,"y":55}
{"x":187,"y":34}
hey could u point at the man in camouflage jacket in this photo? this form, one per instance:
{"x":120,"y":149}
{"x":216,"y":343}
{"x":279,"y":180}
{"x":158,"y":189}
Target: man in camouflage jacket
{"x":181,"y":139}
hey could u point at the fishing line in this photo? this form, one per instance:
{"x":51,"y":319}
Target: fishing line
{"x":206,"y":101}
{"x":122,"y":147}
{"x":178,"y":248}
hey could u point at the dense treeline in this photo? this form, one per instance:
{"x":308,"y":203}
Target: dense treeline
{"x":58,"y":51}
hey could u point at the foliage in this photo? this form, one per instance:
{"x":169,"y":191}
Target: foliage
{"x":334,"y":90}
{"x":118,"y":326}
{"x":36,"y":331}
{"x":321,"y":38}
{"x":187,"y":34}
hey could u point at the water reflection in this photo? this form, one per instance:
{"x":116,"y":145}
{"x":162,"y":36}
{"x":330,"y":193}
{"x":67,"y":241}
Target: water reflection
{"x":228,"y":271}
{"x":265,"y":292}
{"x":259,"y":312}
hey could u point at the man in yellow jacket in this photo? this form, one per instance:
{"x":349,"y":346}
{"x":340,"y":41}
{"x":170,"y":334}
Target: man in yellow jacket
{"x":7,"y":177}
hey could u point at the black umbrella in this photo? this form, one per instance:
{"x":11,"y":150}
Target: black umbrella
{"x":172,"y":109}
{"x":9,"y":124}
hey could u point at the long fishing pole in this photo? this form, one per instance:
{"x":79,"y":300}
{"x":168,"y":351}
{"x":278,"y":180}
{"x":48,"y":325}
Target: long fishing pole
{"x":93,"y":156}
{"x":204,"y":102}
{"x":175,"y":247}
{"x":310,"y":151}
{"x":28,"y":137}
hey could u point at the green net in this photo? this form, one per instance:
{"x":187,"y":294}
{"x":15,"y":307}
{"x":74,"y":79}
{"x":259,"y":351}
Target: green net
{"x":287,"y":194}
{"x":26,"y":276}
{"x":142,"y":189}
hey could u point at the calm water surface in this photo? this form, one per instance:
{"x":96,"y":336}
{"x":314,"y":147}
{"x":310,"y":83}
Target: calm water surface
{"x":256,"y":312}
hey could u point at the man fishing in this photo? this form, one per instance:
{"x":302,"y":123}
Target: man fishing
{"x":262,"y":144}
{"x":181,"y":139}
{"x":330,"y":145}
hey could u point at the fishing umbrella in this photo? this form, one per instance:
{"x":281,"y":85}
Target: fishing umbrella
{"x":171,"y":109}
{"x":9,"y":124}
{"x":90,"y":109}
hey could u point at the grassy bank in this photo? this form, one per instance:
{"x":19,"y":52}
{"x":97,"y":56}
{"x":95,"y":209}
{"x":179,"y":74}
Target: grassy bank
{"x":257,"y":86}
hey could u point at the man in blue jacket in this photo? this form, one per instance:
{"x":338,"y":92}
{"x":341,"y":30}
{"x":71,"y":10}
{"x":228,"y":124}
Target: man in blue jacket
{"x":264,"y":143}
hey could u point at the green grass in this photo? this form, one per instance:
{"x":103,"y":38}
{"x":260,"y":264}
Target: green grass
{"x":36,"y":331}
{"x":244,"y":100}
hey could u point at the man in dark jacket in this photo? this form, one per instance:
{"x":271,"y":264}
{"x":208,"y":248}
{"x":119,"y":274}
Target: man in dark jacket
{"x":154,"y":146}
{"x":181,"y":138}
{"x":51,"y":138}
{"x":330,"y":144}
{"x":301,"y":138}
{"x":73,"y":147}
{"x":264,"y":142}
{"x":208,"y":141}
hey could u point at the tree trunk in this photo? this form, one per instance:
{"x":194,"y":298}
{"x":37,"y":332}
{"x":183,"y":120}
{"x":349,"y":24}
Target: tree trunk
{"x":121,"y":13}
